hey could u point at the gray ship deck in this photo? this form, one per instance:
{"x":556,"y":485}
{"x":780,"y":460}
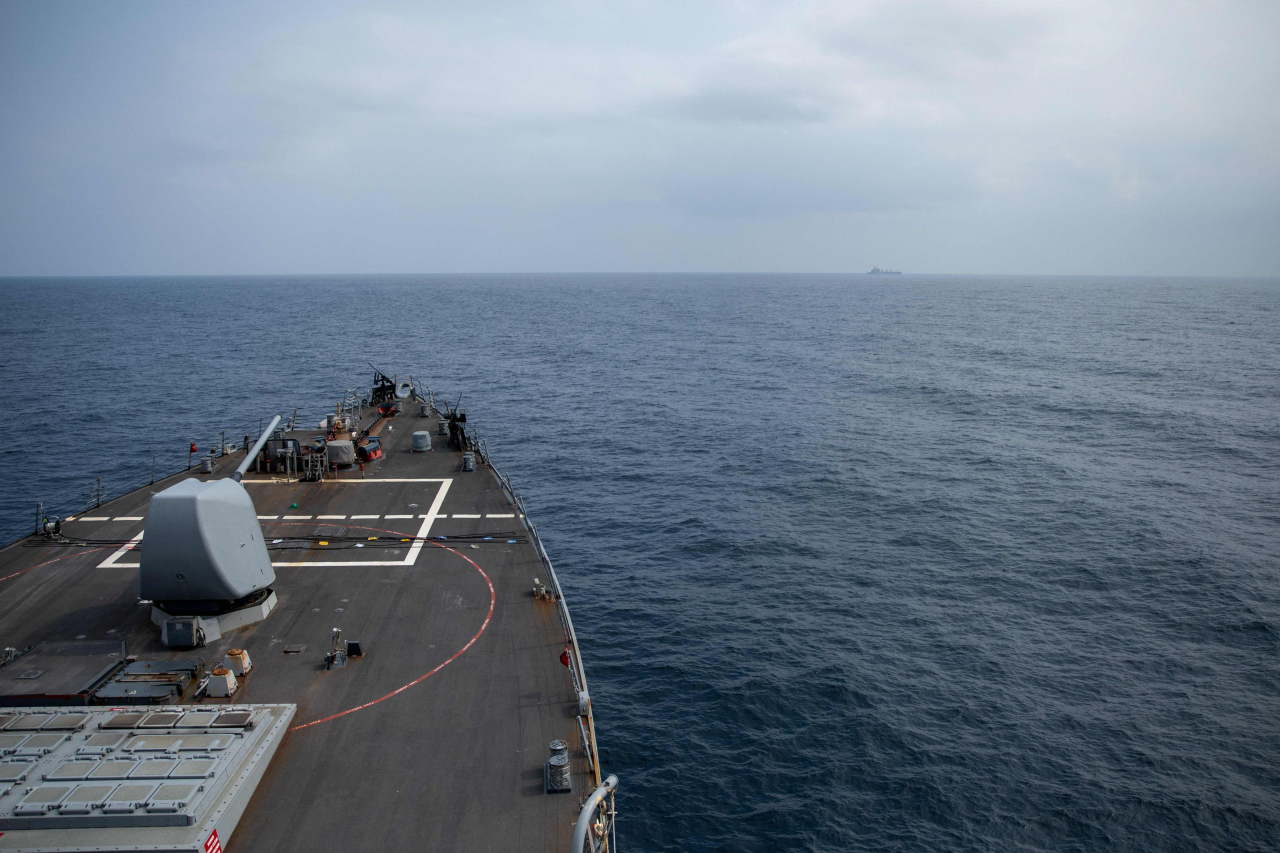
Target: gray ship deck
{"x":436,"y":738}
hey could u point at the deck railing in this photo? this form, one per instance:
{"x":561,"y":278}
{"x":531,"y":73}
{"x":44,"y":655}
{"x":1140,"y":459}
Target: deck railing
{"x":577,"y":672}
{"x":595,"y":826}
{"x":120,"y":480}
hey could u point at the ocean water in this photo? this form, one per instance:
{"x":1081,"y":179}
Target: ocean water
{"x":858,"y":563}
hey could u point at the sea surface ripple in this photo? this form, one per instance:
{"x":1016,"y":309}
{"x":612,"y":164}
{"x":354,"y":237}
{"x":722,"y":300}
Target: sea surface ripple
{"x":910,"y":564}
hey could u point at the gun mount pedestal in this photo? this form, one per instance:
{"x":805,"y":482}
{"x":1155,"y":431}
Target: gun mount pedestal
{"x":204,"y":562}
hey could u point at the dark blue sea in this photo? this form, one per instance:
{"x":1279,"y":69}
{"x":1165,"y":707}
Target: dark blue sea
{"x":858,"y":563}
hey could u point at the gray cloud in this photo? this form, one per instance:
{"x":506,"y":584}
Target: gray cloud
{"x":748,"y":105}
{"x":512,"y":136}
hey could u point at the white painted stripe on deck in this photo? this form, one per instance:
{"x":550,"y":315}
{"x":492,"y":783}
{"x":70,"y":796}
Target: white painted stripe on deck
{"x":387,"y":516}
{"x":460,"y":515}
{"x":279,"y":482}
{"x":414,"y":550}
{"x":331,"y":517}
{"x":267,"y":517}
{"x":93,"y":518}
{"x":501,"y":515}
{"x":129,"y":517}
{"x":111,"y":561}
{"x":354,"y":517}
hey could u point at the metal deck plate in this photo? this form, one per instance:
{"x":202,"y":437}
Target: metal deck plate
{"x":164,"y":791}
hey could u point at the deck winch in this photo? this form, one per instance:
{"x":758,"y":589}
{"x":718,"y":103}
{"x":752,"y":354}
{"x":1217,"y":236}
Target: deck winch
{"x":204,"y":562}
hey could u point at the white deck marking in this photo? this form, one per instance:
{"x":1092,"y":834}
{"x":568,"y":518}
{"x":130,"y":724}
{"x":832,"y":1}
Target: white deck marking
{"x":111,"y":561}
{"x":385,"y":516}
{"x":501,"y":515}
{"x":333,"y":517}
{"x":414,"y":550}
{"x":93,"y":518}
{"x":130,"y":517}
{"x":345,"y":482}
{"x":354,"y":517}
{"x":461,"y":515}
{"x":267,"y":517}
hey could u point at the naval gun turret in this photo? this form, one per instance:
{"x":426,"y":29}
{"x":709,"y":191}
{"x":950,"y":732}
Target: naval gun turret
{"x":204,"y":562}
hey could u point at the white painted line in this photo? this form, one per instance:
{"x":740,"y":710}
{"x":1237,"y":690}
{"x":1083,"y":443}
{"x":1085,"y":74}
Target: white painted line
{"x":460,"y":515}
{"x":111,"y":561}
{"x":93,"y":518}
{"x":352,"y":482}
{"x":414,"y":550}
{"x":432,"y":515}
{"x":334,"y":517}
{"x":373,"y":516}
{"x":267,"y":517}
{"x":425,"y":528}
{"x":297,"y":517}
{"x":69,"y":518}
{"x":387,"y":516}
{"x":129,"y":517}
{"x":501,"y":515}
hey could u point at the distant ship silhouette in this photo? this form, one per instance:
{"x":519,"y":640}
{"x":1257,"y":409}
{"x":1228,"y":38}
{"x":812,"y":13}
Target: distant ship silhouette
{"x":878,"y":271}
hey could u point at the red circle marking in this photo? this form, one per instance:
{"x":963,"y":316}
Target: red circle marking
{"x":493,"y":598}
{"x":54,"y":560}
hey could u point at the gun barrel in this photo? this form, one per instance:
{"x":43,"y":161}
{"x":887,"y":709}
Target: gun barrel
{"x":257,"y":447}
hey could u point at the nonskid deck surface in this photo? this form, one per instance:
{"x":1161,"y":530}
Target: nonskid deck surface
{"x":436,"y":738}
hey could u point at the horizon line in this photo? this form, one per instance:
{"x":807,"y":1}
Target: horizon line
{"x":98,"y":276}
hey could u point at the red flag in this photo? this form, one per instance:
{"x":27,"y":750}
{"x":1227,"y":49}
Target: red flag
{"x":193,"y":447}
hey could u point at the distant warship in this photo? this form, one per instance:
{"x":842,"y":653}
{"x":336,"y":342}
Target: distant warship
{"x":878,"y":271}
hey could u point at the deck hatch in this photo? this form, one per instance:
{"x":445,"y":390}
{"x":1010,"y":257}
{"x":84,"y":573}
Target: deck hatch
{"x":42,"y":799}
{"x":58,"y":673}
{"x":10,"y":742}
{"x":172,"y":797}
{"x":71,"y":771}
{"x":159,"y":720}
{"x":205,"y":743}
{"x":128,"y":798}
{"x":113,"y":769}
{"x":15,"y":771}
{"x":193,"y":768}
{"x":152,"y":743}
{"x":101,"y":744}
{"x":66,"y":722}
{"x":85,"y":798}
{"x":234,"y":719}
{"x":29,"y":722}
{"x":122,"y":721}
{"x":154,"y":768}
{"x":41,"y":744}
{"x":197,"y":720}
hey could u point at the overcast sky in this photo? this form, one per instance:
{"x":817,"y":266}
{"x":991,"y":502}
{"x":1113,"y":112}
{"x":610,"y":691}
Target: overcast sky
{"x":1081,"y":136}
